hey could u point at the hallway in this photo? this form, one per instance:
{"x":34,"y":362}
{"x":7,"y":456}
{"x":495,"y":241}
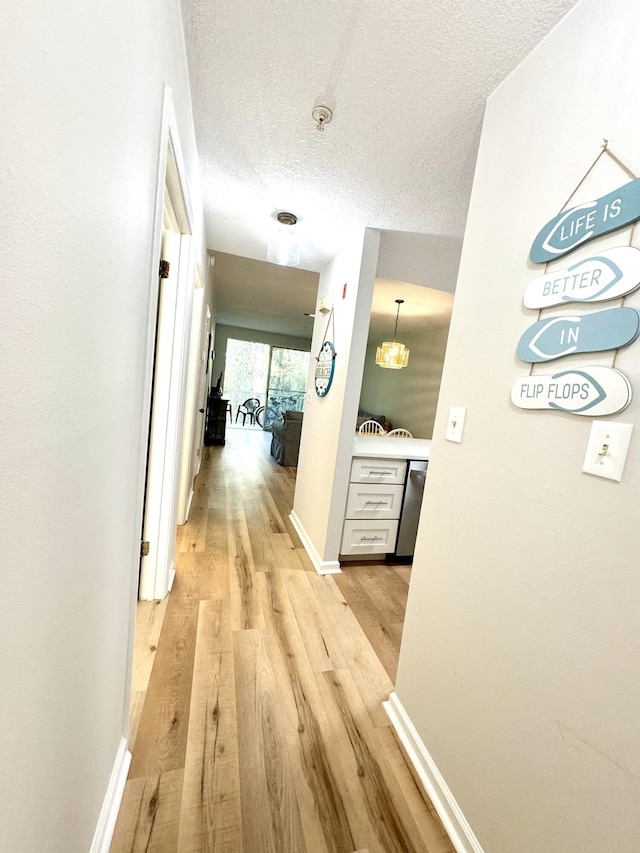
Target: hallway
{"x":257,"y":722}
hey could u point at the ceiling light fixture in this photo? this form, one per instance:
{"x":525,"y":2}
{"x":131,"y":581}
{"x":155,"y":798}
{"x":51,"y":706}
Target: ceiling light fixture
{"x":283,"y":247}
{"x":393,"y":354}
{"x":322,"y":115}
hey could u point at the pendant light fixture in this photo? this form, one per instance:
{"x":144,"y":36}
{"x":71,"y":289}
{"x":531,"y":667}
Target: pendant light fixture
{"x":393,"y":354}
{"x":283,"y":247}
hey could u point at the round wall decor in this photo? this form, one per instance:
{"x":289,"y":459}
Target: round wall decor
{"x":325,"y":365}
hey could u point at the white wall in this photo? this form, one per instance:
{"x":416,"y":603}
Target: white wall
{"x":326,"y":442}
{"x":519,"y":663}
{"x":82,"y":89}
{"x":428,"y":259}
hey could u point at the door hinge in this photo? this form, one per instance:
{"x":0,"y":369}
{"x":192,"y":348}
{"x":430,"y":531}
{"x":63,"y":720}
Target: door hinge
{"x":144,"y":549}
{"x":164,"y":269}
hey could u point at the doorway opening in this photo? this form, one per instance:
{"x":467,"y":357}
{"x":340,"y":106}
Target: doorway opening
{"x":169,"y":324}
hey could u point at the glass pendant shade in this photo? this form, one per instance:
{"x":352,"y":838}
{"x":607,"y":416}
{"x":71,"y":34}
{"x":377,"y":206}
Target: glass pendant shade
{"x":392,"y":354}
{"x":283,"y":247}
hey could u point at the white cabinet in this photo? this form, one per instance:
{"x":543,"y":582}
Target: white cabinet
{"x":373,"y":506}
{"x":365,"y":470}
{"x":369,"y":537}
{"x":368,"y":500}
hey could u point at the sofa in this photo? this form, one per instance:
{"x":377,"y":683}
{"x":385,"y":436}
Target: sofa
{"x":285,"y":438}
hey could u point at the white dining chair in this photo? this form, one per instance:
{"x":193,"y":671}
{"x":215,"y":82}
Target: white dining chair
{"x":371,"y":428}
{"x":399,"y":433}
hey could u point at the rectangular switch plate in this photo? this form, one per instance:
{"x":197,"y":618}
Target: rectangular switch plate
{"x":455,"y":424}
{"x":607,"y":449}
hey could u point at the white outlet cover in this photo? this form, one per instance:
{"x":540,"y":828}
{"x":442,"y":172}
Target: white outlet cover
{"x":607,"y":449}
{"x":455,"y":424}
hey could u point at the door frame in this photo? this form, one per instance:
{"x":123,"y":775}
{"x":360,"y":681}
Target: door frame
{"x":170,"y":170}
{"x":196,"y":397}
{"x":202,"y":393}
{"x":158,"y":572}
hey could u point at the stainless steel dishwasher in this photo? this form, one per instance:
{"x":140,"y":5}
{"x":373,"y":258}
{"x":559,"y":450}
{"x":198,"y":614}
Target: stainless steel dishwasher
{"x":411,"y":504}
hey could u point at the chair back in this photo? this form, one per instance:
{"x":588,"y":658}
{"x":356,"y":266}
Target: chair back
{"x":251,"y":404}
{"x":399,"y":433}
{"x":371,"y":428}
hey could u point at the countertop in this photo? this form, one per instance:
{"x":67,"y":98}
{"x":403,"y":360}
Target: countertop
{"x":382,"y":447}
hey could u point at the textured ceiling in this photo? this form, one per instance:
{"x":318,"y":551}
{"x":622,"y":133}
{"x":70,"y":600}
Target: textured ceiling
{"x":407,"y":80}
{"x":423,"y":308}
{"x":278,"y":298}
{"x":258,"y":295}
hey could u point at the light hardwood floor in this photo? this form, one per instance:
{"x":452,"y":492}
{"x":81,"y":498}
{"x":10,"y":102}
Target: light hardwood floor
{"x":257,"y":723}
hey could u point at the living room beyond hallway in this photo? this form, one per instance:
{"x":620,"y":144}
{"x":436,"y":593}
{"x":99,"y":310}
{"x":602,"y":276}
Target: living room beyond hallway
{"x":257,"y":719}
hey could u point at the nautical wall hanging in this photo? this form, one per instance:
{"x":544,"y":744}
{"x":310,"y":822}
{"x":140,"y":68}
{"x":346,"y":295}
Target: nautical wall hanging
{"x":325,"y":362}
{"x":555,"y":337}
{"x":593,"y":391}
{"x":608,"y":274}
{"x":581,"y":223}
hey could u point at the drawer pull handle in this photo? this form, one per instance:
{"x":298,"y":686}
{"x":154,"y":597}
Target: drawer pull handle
{"x":378,"y":473}
{"x":375,"y":503}
{"x":371,"y":538}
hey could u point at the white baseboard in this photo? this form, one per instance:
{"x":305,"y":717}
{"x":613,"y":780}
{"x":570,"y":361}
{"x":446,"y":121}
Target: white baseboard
{"x":322,"y":567}
{"x":188,"y":509}
{"x":457,"y":827}
{"x":111,"y":804}
{"x":172,"y":577}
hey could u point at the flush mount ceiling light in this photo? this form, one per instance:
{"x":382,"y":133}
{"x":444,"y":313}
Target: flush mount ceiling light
{"x":283,"y":247}
{"x":393,"y":354}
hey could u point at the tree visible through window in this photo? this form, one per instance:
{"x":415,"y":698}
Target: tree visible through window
{"x":276,"y":376}
{"x":246,"y":372}
{"x":287,"y":383}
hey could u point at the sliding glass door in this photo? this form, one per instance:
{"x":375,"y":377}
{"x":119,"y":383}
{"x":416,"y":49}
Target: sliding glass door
{"x":287,"y":383}
{"x":246,"y":373}
{"x":276,"y":376}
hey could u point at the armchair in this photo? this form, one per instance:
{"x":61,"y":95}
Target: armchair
{"x":285,"y":438}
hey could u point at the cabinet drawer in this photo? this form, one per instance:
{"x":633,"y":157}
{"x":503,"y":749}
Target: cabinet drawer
{"x":369,"y":537}
{"x":364,"y":470}
{"x":368,"y":500}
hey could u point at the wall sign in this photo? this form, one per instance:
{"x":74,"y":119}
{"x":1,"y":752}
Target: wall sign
{"x":592,"y":391}
{"x":575,"y":226}
{"x":325,"y":365}
{"x":607,"y":275}
{"x":554,"y":337}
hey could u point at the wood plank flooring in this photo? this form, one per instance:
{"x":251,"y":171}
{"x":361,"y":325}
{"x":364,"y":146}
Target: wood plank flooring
{"x":257,"y":724}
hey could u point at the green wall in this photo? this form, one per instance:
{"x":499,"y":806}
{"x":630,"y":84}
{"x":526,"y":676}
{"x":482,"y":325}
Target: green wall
{"x":408,"y":397}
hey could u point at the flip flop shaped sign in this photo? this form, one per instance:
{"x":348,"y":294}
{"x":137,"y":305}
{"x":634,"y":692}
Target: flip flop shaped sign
{"x":558,"y":336}
{"x":569,"y":229}
{"x":608,"y":275}
{"x":593,"y":391}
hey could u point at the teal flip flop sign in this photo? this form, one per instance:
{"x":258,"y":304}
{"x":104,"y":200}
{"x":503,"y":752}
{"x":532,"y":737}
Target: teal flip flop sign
{"x":608,"y":274}
{"x":593,"y":391}
{"x":573,"y":227}
{"x":554,"y":337}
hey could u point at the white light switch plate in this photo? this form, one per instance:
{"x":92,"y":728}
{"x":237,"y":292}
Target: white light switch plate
{"x":607,"y":449}
{"x":455,"y":424}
